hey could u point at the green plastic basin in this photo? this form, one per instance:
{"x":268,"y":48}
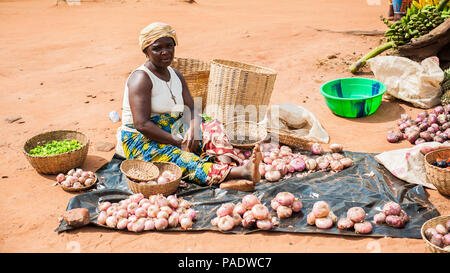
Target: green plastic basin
{"x":353,"y":97}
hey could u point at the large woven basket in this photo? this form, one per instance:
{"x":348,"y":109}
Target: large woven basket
{"x":439,"y":177}
{"x":139,"y":170}
{"x":245,"y":134}
{"x":432,"y":223}
{"x":288,"y":138}
{"x":236,"y":88}
{"x":165,"y":189}
{"x":196,"y":74}
{"x":60,"y":163}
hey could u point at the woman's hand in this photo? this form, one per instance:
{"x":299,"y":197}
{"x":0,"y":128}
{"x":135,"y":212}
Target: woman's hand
{"x":189,"y":143}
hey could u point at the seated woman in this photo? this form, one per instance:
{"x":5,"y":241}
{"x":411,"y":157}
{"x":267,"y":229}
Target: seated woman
{"x":154,"y":99}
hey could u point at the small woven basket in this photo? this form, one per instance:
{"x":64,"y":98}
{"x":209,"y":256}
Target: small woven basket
{"x":164,"y":189}
{"x":82,"y":188}
{"x":235,"y":88}
{"x":196,"y":74}
{"x":439,"y":177}
{"x":60,"y":163}
{"x":288,"y":138}
{"x":139,"y":170}
{"x":432,"y":223}
{"x":245,"y":134}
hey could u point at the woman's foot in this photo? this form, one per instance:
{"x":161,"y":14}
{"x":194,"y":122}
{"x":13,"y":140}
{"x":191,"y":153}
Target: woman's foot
{"x":250,"y":170}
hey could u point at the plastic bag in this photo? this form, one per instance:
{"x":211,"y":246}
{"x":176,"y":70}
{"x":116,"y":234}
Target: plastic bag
{"x":297,"y":120}
{"x":417,"y":83}
{"x":408,"y":164}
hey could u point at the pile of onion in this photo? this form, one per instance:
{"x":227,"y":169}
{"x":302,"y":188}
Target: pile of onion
{"x":426,"y":127}
{"x":164,"y":178}
{"x":280,"y":162}
{"x":285,"y":203}
{"x":247,"y":213}
{"x":321,"y":216}
{"x":76,"y":179}
{"x":393,"y":215}
{"x":137,"y":213}
{"x":439,"y":235}
{"x":355,"y":219}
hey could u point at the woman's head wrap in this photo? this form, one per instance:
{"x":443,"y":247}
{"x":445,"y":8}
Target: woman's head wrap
{"x":153,"y":32}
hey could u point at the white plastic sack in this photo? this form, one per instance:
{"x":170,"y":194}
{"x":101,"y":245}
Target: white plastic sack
{"x":296,"y":119}
{"x":408,"y":164}
{"x":417,"y":83}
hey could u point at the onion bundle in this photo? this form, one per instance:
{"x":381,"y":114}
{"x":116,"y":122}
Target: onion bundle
{"x":439,"y":235}
{"x":76,"y":178}
{"x":285,"y":203}
{"x":393,"y":215}
{"x":426,"y":127}
{"x":280,"y":162}
{"x":247,"y":213}
{"x":321,"y":216}
{"x":355,"y":219}
{"x":137,"y":213}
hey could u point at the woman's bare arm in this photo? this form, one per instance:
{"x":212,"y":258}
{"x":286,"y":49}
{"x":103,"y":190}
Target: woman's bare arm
{"x":139,"y":93}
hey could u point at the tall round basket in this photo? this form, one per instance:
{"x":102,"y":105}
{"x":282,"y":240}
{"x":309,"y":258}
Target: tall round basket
{"x":236,"y":89}
{"x":196,"y":74}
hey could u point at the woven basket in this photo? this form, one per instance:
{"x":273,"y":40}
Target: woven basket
{"x":196,"y":74}
{"x":164,"y":189}
{"x":235,"y":88}
{"x":288,"y":138}
{"x":139,"y":170}
{"x":80,"y":189}
{"x":60,"y":163}
{"x":245,"y":134}
{"x":439,"y":177}
{"x":432,"y":223}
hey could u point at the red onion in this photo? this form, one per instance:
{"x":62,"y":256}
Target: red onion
{"x":379,"y":218}
{"x":239,"y":209}
{"x":395,"y":221}
{"x":225,"y":223}
{"x":324,"y":223}
{"x":437,"y":240}
{"x":347,"y":162}
{"x":248,"y":220}
{"x":166,"y":209}
{"x":311,"y":219}
{"x":430,"y":232}
{"x":140,"y":212}
{"x":336,"y":148}
{"x":284,"y":212}
{"x":332,"y":216}
{"x":173,"y":219}
{"x":149,"y":225}
{"x":323,"y":165}
{"x":60,"y":177}
{"x":441,"y":229}
{"x":273,"y":176}
{"x":101,"y":219}
{"x":321,"y":209}
{"x":311,"y":164}
{"x":316,"y":149}
{"x":163,"y":214}
{"x":285,"y":198}
{"x":186,"y":222}
{"x":122,"y":223}
{"x":184,"y":204}
{"x":405,"y":116}
{"x":391,"y":208}
{"x":298,"y":164}
{"x":123,"y":213}
{"x":136,"y":198}
{"x":265,"y":224}
{"x":152,"y":211}
{"x":274,"y":204}
{"x":161,"y":223}
{"x":344,"y":223}
{"x":225,"y":209}
{"x":104,"y":206}
{"x":336,"y":166}
{"x":297,"y":206}
{"x":260,"y":212}
{"x":446,"y":239}
{"x":356,"y":214}
{"x":111,"y":221}
{"x":237,"y":219}
{"x":214,"y":221}
{"x":364,"y":227}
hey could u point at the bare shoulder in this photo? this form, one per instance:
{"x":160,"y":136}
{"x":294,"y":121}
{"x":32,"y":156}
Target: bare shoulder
{"x":139,"y":81}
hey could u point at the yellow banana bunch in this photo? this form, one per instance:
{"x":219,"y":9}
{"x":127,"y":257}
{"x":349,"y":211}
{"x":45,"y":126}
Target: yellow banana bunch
{"x":420,"y":4}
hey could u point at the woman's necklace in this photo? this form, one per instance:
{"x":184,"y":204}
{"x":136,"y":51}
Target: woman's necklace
{"x":171,"y":93}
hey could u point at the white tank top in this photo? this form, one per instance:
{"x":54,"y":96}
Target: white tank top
{"x":162,"y":102}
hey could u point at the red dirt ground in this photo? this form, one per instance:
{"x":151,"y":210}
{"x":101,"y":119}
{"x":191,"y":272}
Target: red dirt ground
{"x":54,"y":56}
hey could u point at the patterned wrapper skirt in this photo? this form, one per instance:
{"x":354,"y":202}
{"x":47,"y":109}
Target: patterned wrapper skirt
{"x":202,"y":168}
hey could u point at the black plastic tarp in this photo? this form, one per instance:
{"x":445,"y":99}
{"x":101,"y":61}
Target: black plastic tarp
{"x":366,"y":184}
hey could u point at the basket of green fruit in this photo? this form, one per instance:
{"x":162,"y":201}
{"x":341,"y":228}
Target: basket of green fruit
{"x":56,"y":151}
